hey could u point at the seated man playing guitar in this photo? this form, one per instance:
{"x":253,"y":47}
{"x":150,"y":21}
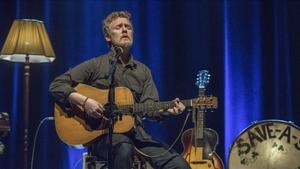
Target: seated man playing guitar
{"x":129,"y":73}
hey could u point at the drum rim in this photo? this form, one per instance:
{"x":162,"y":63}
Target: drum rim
{"x":255,"y":123}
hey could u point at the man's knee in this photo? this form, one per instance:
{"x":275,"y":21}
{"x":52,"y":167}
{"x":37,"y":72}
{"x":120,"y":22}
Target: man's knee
{"x":124,"y":150}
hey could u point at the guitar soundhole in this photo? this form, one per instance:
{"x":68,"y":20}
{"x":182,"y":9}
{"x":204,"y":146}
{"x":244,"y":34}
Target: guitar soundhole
{"x":93,"y":123}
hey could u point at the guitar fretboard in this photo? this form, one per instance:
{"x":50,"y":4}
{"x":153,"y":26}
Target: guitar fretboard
{"x":153,"y":106}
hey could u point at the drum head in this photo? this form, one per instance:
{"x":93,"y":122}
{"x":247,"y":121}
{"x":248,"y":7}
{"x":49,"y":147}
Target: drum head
{"x":268,"y":144}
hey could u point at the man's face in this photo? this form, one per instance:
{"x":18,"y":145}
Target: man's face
{"x":120,"y":33}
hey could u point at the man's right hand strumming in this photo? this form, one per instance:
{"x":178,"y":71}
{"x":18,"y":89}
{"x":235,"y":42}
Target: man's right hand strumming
{"x":90,"y":106}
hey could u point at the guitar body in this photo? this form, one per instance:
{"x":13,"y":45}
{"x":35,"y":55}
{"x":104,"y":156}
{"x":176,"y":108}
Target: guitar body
{"x":75,"y":129}
{"x":201,"y":157}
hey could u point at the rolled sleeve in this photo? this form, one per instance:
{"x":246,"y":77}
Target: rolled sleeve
{"x":62,"y":86}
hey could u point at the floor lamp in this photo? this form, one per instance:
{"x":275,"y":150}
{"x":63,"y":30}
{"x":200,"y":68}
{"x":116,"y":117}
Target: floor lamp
{"x":27,"y":42}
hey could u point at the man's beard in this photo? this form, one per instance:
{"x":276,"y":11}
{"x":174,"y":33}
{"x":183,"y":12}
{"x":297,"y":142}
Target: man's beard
{"x":125,"y":45}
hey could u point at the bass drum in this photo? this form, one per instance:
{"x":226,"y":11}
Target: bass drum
{"x":268,"y":144}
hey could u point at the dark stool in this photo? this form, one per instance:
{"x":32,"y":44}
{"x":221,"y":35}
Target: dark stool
{"x":91,"y":162}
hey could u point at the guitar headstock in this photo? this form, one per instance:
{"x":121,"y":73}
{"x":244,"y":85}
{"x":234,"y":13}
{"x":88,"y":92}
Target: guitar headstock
{"x":203,"y":78}
{"x":203,"y":101}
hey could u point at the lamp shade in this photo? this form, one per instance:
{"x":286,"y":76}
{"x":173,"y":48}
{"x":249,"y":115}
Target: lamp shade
{"x":27,"y":38}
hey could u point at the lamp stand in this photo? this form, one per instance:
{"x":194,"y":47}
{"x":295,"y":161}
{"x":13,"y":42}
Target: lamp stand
{"x":27,"y":37}
{"x":26,"y":110}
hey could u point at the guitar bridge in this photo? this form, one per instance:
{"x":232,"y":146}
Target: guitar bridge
{"x":198,"y":162}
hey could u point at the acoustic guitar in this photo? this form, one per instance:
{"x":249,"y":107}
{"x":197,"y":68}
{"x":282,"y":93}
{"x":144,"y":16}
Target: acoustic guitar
{"x":199,"y":142}
{"x":76,"y":128}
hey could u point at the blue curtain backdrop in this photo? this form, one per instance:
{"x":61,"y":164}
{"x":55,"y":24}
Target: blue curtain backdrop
{"x":251,"y":48}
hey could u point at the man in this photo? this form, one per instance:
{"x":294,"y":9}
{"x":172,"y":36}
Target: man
{"x":118,"y":32}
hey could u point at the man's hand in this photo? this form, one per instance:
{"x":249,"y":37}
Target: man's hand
{"x":178,"y":108}
{"x":90,"y":106}
{"x":93,"y":108}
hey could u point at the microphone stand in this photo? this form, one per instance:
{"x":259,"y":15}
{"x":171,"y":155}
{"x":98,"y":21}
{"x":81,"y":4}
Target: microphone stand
{"x":111,"y":102}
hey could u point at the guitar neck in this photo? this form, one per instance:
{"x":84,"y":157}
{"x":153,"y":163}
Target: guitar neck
{"x":199,"y":122}
{"x":199,"y":126}
{"x":202,"y":102}
{"x":154,"y":106}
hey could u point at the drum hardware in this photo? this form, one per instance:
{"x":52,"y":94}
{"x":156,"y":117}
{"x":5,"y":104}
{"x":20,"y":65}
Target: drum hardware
{"x":4,"y":129}
{"x":4,"y":124}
